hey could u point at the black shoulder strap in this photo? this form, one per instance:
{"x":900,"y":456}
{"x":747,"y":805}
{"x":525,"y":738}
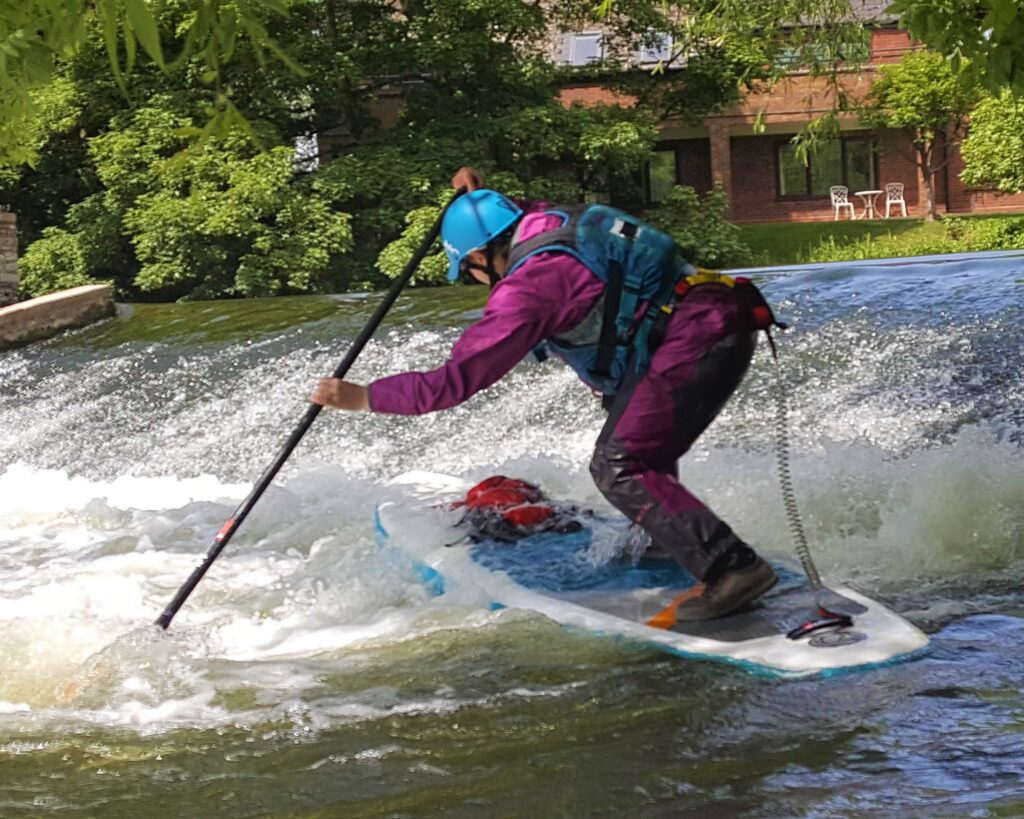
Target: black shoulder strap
{"x":564,"y":236}
{"x":608,"y":340}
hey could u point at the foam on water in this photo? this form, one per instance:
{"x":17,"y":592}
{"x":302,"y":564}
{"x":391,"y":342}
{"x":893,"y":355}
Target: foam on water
{"x":90,"y":560}
{"x":118,"y":464}
{"x":303,"y":581}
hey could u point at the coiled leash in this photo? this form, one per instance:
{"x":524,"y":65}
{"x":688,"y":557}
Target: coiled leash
{"x":834,"y":610}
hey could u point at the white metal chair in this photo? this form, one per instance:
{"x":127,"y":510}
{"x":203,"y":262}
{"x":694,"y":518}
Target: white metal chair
{"x":894,"y":196}
{"x":840,"y":196}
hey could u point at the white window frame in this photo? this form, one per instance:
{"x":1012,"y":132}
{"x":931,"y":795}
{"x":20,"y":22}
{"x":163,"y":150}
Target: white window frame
{"x":578,"y":38}
{"x":648,"y":56}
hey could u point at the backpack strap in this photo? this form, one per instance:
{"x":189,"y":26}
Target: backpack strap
{"x":560,"y":239}
{"x":649,"y":329}
{"x":609,"y":339}
{"x":623,"y":292}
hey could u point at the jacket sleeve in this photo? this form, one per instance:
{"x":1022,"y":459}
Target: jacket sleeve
{"x":548,"y":294}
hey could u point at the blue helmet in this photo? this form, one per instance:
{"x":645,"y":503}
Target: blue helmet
{"x":473,"y":220}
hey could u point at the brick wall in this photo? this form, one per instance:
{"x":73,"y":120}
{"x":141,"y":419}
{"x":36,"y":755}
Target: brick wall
{"x":888,"y":45}
{"x":386,"y":109}
{"x":693,"y":163}
{"x":755,"y":195}
{"x":8,"y":258}
{"x":755,"y":188}
{"x":970,"y":200}
{"x":593,"y":94}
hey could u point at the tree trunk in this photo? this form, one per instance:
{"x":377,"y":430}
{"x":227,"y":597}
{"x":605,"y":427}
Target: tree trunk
{"x":924,"y":153}
{"x":331,"y":14}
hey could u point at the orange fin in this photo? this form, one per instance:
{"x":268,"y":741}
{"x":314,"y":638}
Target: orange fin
{"x":666,"y":618}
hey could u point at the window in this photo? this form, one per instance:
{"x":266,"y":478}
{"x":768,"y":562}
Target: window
{"x":788,"y":57}
{"x":661,"y":176}
{"x":585,"y":48}
{"x":657,"y":48}
{"x":857,"y":52}
{"x":848,"y":161}
{"x":860,"y":164}
{"x":793,"y":56}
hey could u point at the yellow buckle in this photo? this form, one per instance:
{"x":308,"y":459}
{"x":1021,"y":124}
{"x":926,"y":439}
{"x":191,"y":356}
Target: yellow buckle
{"x":705,"y":276}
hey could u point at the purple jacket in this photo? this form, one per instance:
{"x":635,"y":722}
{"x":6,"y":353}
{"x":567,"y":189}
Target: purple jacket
{"x":549,"y":294}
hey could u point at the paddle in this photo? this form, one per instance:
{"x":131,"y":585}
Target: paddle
{"x":229,"y":528}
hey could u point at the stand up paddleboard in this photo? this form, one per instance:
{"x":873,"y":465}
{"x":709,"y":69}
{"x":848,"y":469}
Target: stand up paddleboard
{"x":560,"y":575}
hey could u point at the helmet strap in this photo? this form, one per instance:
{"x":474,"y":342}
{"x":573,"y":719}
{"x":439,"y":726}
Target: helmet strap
{"x":488,"y":267}
{"x":492,"y":274}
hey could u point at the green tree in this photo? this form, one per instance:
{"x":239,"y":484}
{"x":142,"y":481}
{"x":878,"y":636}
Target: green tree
{"x":922,"y":97}
{"x":985,"y":38}
{"x":993,"y":151}
{"x":217,"y":219}
{"x":112,"y":205}
{"x":496,"y":108}
{"x":38,"y":36}
{"x":470,"y":80}
{"x":701,"y":227}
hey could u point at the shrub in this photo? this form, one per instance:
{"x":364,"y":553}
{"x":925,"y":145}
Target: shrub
{"x":88,"y":249}
{"x":959,"y":235}
{"x":217,"y":219}
{"x":987,"y":234}
{"x":56,"y":261}
{"x":701,"y":228}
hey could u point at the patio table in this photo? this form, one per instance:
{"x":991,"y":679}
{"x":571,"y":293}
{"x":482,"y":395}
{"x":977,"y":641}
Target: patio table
{"x":868,"y":198}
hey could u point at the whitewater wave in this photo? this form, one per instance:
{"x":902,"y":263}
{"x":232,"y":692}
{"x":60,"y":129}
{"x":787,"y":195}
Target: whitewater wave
{"x":303,"y":582}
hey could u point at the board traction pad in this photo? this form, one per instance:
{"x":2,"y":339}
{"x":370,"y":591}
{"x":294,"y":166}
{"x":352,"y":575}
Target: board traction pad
{"x":772,"y":614}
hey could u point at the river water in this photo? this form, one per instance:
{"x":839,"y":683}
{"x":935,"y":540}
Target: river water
{"x":307,"y":676}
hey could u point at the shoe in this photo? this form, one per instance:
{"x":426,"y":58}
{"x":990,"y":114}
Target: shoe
{"x":729,"y":593}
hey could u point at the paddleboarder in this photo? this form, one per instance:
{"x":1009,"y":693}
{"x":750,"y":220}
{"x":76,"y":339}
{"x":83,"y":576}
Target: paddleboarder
{"x":665,"y":345}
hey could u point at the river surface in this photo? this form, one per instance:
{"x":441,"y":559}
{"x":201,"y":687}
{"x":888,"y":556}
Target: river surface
{"x":307,"y":676}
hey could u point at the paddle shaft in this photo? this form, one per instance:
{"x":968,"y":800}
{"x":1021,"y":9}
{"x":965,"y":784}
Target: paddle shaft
{"x":229,"y":528}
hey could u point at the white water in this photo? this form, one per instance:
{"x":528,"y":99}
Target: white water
{"x":84,"y":561}
{"x":121,"y":464}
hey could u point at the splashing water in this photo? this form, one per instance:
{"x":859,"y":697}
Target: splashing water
{"x":324,"y":675}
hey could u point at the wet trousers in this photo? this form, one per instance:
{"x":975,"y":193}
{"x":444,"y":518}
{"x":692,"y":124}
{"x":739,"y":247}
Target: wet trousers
{"x":656,"y":418}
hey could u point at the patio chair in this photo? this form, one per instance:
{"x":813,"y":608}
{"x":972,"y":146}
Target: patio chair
{"x":894,"y":196}
{"x":840,"y":196}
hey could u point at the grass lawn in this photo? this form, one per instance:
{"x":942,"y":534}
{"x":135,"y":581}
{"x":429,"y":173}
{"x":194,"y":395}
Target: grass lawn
{"x":792,"y":242}
{"x":782,"y":243}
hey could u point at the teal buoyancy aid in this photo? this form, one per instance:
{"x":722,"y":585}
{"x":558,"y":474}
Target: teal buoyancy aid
{"x":640,"y":266}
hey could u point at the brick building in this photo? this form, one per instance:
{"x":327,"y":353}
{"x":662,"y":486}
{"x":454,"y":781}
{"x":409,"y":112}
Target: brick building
{"x":761,"y":174}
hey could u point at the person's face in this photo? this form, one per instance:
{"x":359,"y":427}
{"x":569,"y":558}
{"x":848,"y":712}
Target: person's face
{"x":479,"y":257}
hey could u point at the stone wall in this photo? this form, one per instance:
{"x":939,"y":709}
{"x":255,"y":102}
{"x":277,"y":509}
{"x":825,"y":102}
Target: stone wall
{"x":42,"y":317}
{"x":8,"y":258}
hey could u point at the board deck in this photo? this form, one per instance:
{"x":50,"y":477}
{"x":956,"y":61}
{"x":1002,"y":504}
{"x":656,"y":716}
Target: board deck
{"x":578,"y":580}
